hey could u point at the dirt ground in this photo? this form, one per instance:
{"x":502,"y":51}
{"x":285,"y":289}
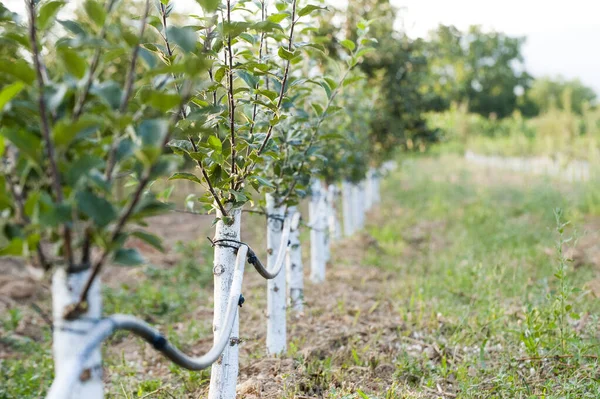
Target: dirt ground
{"x":351,"y":319}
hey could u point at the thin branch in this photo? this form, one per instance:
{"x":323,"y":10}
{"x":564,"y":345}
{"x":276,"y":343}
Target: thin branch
{"x":285,"y":77}
{"x":248,"y":169}
{"x":112,"y":155}
{"x":163,"y":13}
{"x":45,"y":125}
{"x":256,"y":87}
{"x":93,"y":66}
{"x":230,"y":96}
{"x":210,"y":187}
{"x":20,"y":201}
{"x":315,"y":134}
{"x":183,"y":115}
{"x":74,"y":311}
{"x":131,"y":72}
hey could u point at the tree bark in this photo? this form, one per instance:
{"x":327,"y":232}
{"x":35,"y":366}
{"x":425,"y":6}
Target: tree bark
{"x":69,"y":335}
{"x":224,"y":372}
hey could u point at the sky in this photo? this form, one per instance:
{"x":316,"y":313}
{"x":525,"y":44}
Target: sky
{"x":562,"y":36}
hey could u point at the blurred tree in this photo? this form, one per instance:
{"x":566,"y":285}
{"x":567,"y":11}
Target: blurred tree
{"x":398,"y":69}
{"x":483,"y":69}
{"x":570,"y":95}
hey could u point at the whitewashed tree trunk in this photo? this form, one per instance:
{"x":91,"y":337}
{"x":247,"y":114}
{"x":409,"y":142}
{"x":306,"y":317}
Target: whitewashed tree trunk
{"x":347,"y":205}
{"x":295,"y":268}
{"x":276,"y":291}
{"x":317,"y":234}
{"x":224,"y":372}
{"x":358,"y":205}
{"x":376,"y":187}
{"x":332,"y":219}
{"x":369,"y":189}
{"x":69,"y":336}
{"x":324,"y":212}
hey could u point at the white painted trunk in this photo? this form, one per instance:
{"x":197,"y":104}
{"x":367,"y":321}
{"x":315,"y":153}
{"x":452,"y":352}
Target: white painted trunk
{"x":224,"y":372}
{"x":324,"y":211}
{"x":332,"y":219}
{"x":317,"y":234}
{"x":369,"y":189}
{"x":276,"y":291}
{"x":375,"y":187}
{"x":358,"y":205}
{"x":69,"y":336}
{"x":295,"y":268}
{"x":347,"y":205}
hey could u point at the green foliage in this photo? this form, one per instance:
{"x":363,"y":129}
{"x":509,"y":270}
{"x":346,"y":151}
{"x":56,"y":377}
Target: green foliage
{"x":75,"y":125}
{"x":561,"y":134}
{"x":483,"y":69}
{"x":566,"y":95}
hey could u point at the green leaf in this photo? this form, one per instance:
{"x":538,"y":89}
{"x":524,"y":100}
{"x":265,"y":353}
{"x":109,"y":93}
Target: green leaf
{"x":209,"y":6}
{"x":18,"y":69}
{"x":95,"y":12}
{"x":81,"y":167}
{"x":152,"y":132}
{"x":285,"y":53}
{"x":234,"y":28}
{"x":184,"y":37}
{"x":215,"y":143}
{"x":348,"y":44}
{"x":148,"y":238}
{"x":47,"y":13}
{"x":362,"y":394}
{"x":7,"y":94}
{"x":248,"y":78}
{"x":264,"y":182}
{"x":14,"y":247}
{"x":26,"y":141}
{"x":308,"y":9}
{"x":277,"y":18}
{"x":72,"y":26}
{"x":109,"y":91}
{"x":163,"y":101}
{"x":267,"y":26}
{"x":185,"y":176}
{"x":150,"y":206}
{"x":73,"y":63}
{"x":128,"y":257}
{"x":179,"y":146}
{"x":52,"y":214}
{"x":66,"y":130}
{"x":96,"y":208}
{"x":318,"y":108}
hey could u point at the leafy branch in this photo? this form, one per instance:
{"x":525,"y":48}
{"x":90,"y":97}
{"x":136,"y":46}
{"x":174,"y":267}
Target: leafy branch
{"x":45,"y":125}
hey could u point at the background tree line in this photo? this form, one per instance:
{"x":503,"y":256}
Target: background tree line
{"x":414,"y":77}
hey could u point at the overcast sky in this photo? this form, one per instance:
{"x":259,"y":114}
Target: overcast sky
{"x":562,"y":36}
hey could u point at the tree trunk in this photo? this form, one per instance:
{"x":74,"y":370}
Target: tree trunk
{"x":376,"y":189}
{"x":325,"y":211}
{"x":332,"y":219}
{"x":295,"y":268}
{"x":358,"y":206}
{"x":69,"y":336}
{"x":276,"y":292}
{"x":224,"y":372}
{"x":347,"y":205}
{"x":369,"y":189}
{"x":317,"y":234}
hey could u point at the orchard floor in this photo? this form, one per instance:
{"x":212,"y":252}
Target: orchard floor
{"x":454,"y":290}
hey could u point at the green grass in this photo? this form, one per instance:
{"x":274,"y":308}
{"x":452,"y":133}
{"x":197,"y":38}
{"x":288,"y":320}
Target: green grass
{"x":499,"y":296}
{"x":486,"y":310}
